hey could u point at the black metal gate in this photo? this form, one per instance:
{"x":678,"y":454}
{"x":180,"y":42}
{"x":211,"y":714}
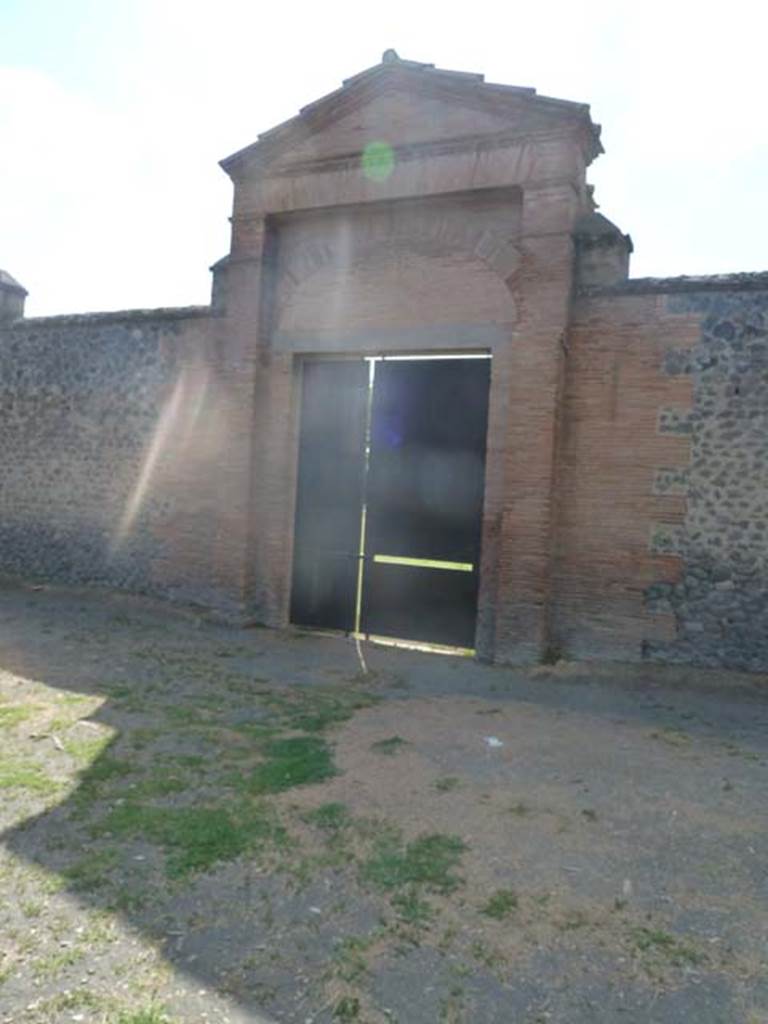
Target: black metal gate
{"x":329,"y":497}
{"x":391,"y":474}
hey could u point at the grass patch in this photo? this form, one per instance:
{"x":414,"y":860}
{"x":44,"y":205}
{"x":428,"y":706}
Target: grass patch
{"x":187,"y":760}
{"x":185,"y":714}
{"x":12,"y":715}
{"x":666,"y":945}
{"x":350,"y":960}
{"x":296,"y":761}
{"x":447,"y":783}
{"x":484,"y":954}
{"x":573,"y":920}
{"x":257,"y":730}
{"x":411,"y":908}
{"x":674,"y":737}
{"x":347,"y":1008}
{"x":18,"y":774}
{"x":331,"y":817}
{"x":317,"y":709}
{"x":51,"y":965}
{"x":520,"y":809}
{"x":158,"y":785}
{"x":90,"y":871}
{"x":86,"y":751}
{"x":142,"y":736}
{"x":106,"y":769}
{"x":128,"y":901}
{"x":195,"y":838}
{"x":427,"y":861}
{"x":500,"y":904}
{"x":149,"y":1015}
{"x":76,"y":999}
{"x":390,"y":746}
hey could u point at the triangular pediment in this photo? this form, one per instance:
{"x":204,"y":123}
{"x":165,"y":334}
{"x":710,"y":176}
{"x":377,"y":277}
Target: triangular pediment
{"x":406,"y":104}
{"x":398,"y":118}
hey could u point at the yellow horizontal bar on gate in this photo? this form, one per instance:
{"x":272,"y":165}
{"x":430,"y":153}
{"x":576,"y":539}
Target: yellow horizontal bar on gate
{"x":424,"y":563}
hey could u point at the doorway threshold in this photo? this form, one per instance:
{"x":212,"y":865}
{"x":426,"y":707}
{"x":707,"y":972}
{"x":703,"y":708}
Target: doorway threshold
{"x":416,"y":645}
{"x":386,"y":641}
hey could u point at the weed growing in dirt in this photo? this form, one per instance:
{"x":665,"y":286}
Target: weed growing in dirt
{"x":573,"y":920}
{"x":349,"y":958}
{"x":141,"y":737}
{"x":187,"y":760}
{"x":674,"y":737}
{"x":447,"y":783}
{"x":158,"y":785}
{"x":733,"y":750}
{"x":76,"y":999}
{"x":195,"y":838}
{"x":666,"y":945}
{"x":105,"y":769}
{"x":427,"y":861}
{"x":13,"y":714}
{"x":16,"y":773}
{"x":149,"y":1015}
{"x":332,"y":817}
{"x":520,"y":809}
{"x":295,"y":761}
{"x":500,"y":904}
{"x":412,"y":909}
{"x":483,"y":953}
{"x":389,"y":746}
{"x":84,"y":752}
{"x":91,"y":870}
{"x":52,"y":964}
{"x":316,"y":709}
{"x":347,"y":1008}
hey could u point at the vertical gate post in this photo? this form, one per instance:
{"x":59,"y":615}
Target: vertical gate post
{"x":238,"y":295}
{"x":533,"y":369}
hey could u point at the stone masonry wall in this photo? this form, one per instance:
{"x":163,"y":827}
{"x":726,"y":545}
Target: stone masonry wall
{"x":662,"y":551}
{"x":116,"y":432}
{"x":721,"y":598}
{"x":106,"y":432}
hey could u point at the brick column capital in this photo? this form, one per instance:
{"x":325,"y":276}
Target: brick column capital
{"x":550,"y":208}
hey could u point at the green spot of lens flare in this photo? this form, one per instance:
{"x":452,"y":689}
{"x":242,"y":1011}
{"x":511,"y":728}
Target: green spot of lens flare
{"x":378,"y":161}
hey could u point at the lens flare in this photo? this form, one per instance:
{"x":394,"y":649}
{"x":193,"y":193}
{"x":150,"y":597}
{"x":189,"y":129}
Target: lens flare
{"x":378,"y":160}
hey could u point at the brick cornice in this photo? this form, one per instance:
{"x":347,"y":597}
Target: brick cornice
{"x":418,"y":151}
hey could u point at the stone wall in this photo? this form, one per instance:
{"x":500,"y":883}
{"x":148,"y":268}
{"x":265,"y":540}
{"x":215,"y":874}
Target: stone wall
{"x":117,"y":438}
{"x":721,"y":599}
{"x":118,"y":468}
{"x":108,"y":428}
{"x":662,"y":550}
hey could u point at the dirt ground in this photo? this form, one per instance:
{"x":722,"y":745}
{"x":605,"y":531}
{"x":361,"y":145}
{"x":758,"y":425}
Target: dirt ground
{"x":205,"y":824}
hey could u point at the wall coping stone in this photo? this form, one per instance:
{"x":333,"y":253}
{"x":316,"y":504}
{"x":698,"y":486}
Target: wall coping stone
{"x":137,"y":315}
{"x":650,"y":285}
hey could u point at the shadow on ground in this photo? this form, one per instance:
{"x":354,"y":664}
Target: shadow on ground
{"x":243,"y":826}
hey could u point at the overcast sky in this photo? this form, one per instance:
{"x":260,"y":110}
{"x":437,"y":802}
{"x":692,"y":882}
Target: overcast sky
{"x":113,"y":116}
